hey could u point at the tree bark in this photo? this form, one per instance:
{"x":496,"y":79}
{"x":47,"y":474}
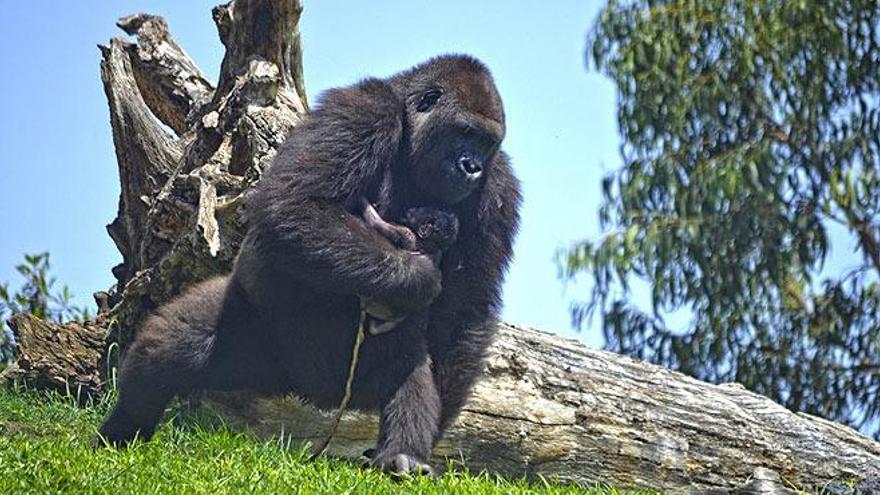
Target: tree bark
{"x":546,"y":406}
{"x":70,"y":357}
{"x":183,"y":186}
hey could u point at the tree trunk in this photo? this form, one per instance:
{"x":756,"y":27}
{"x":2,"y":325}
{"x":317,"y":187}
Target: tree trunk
{"x":547,"y":406}
{"x":180,"y":214}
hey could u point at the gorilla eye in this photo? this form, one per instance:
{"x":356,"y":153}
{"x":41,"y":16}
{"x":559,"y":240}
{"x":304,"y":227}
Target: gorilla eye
{"x":428,"y":100}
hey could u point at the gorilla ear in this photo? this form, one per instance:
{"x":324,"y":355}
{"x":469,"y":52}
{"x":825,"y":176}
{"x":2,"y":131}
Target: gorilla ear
{"x":362,"y":126}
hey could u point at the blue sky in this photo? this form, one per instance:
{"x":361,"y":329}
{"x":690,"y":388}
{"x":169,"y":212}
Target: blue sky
{"x":60,"y":186}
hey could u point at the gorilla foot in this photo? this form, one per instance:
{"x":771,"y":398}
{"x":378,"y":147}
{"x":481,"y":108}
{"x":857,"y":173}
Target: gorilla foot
{"x":101,"y":441}
{"x":119,"y":431}
{"x":401,"y":465}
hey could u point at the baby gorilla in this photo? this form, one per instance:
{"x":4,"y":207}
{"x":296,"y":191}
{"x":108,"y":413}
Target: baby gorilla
{"x":427,"y":230}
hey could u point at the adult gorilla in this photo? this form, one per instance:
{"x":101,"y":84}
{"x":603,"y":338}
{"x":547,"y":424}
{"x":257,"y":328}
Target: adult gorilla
{"x":285,"y":319}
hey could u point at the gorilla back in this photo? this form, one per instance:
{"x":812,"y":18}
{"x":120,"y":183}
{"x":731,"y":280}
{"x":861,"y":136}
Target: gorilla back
{"x":285,"y":319}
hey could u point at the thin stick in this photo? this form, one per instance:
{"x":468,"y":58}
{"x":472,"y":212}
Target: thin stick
{"x":346,"y":396}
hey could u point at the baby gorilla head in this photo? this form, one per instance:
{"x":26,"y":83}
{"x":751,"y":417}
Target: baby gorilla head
{"x":435,"y":230}
{"x":424,"y":229}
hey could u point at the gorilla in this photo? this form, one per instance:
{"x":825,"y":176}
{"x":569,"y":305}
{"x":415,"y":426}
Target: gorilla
{"x":285,"y":319}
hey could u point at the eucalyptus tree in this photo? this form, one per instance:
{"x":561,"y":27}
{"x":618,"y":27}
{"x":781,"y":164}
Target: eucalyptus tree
{"x":750,"y":145}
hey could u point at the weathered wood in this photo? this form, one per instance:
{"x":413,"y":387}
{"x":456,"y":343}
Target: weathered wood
{"x":67,"y":358}
{"x":278,"y":42}
{"x":180,"y":218}
{"x":552,"y":407}
{"x":146,"y":154}
{"x":546,"y":406}
{"x":171,"y":83}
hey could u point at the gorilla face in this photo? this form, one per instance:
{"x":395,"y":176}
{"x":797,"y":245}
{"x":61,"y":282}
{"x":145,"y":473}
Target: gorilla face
{"x":456,"y":125}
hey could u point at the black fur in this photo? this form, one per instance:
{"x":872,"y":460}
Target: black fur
{"x":285,"y":319}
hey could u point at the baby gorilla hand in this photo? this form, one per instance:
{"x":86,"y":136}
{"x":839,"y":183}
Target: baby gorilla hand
{"x":425,"y":229}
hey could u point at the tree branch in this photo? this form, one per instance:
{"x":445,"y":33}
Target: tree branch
{"x":146,"y":154}
{"x":170,"y":82}
{"x":869,"y":243}
{"x":278,"y":42}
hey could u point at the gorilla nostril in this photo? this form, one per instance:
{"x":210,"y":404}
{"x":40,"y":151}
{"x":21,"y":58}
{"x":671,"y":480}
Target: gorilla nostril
{"x":469,"y":166}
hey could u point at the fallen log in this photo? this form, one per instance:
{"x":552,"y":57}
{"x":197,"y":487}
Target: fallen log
{"x":547,"y":406}
{"x":552,"y":407}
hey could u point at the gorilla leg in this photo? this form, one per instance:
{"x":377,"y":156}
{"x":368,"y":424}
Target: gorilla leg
{"x":144,"y":392}
{"x":148,"y":380}
{"x":167,"y":358}
{"x":458,"y":366}
{"x":409,"y":423}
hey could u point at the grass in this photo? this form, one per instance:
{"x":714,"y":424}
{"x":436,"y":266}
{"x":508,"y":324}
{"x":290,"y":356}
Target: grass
{"x":44,"y":448}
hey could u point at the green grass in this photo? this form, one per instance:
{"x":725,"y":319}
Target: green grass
{"x":44,"y":448}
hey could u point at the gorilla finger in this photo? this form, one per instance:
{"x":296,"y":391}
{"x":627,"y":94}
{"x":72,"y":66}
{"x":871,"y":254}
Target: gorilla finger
{"x":403,"y":465}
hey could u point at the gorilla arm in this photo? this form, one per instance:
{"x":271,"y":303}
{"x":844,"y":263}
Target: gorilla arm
{"x":300,"y":213}
{"x":463,"y":316}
